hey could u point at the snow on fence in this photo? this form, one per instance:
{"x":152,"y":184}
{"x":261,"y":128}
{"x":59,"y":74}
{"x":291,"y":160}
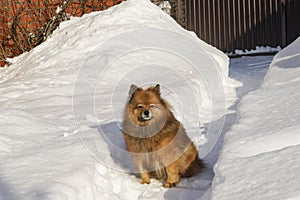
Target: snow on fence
{"x":25,"y":24}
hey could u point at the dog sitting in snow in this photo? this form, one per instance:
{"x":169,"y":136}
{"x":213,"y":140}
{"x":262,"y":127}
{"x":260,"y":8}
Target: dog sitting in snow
{"x":157,"y":141}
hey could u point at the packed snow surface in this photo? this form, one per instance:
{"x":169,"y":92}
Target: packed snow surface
{"x":260,"y":158}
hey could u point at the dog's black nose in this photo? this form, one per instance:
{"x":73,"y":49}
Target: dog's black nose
{"x":146,"y":112}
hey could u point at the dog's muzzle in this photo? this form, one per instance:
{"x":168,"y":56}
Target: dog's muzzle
{"x":146,"y":116}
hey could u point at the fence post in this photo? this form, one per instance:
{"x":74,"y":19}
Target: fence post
{"x":283,"y":22}
{"x":180,"y":13}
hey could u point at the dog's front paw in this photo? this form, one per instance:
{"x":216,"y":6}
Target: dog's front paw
{"x":145,"y":178}
{"x":145,"y":181}
{"x":169,"y":185}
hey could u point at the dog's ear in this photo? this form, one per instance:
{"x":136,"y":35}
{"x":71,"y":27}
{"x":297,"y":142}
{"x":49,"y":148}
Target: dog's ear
{"x":131,"y":92}
{"x":157,"y":89}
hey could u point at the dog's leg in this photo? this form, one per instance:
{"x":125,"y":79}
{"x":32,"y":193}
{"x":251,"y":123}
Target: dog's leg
{"x":173,"y":176}
{"x":145,"y":178}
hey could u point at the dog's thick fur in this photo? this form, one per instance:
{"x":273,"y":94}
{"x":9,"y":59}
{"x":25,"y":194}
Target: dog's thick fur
{"x":157,"y":141}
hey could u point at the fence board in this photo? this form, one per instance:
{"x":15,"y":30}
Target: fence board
{"x":244,"y":24}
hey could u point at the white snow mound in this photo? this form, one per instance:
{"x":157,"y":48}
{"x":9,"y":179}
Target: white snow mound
{"x":82,"y":73}
{"x":260,"y":158}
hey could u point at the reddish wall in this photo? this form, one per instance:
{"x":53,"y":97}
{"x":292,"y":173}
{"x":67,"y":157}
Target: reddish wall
{"x":31,"y":15}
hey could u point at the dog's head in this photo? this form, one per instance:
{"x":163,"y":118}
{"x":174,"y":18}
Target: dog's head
{"x":145,"y":106}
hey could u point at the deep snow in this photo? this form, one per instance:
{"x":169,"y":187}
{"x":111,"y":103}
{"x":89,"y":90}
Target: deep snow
{"x":62,"y":103}
{"x":260,"y":156}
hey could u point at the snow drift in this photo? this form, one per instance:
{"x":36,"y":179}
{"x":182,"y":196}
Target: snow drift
{"x":260,"y":158}
{"x":82,"y":74}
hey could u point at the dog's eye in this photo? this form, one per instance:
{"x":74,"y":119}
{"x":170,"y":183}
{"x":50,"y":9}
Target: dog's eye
{"x":152,"y":105}
{"x":139,"y":106}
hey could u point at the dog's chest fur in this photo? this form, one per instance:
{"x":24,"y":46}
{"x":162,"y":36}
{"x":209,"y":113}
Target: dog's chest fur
{"x":153,"y":143}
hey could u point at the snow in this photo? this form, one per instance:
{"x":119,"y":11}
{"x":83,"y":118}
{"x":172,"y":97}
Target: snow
{"x":260,"y":155}
{"x":257,"y":50}
{"x":165,"y":6}
{"x":62,"y":105}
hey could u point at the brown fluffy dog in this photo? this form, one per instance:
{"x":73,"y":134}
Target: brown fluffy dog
{"x":158,"y":143}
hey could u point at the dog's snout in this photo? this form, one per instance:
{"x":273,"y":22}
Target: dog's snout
{"x":146,"y":112}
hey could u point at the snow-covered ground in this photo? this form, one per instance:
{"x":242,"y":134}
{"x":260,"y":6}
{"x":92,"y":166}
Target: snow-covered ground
{"x":62,"y":104}
{"x":260,"y":158}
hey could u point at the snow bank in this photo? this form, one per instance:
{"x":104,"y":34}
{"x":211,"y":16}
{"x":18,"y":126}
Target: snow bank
{"x":82,"y":74}
{"x":260,"y":158}
{"x":257,"y":50}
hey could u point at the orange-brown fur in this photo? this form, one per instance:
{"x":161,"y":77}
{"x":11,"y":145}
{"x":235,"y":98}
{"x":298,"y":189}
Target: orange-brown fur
{"x":160,"y":146}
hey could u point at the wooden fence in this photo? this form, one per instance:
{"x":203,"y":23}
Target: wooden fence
{"x":244,"y":24}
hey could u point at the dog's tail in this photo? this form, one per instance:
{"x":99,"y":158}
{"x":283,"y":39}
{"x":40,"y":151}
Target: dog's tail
{"x":196,"y":167}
